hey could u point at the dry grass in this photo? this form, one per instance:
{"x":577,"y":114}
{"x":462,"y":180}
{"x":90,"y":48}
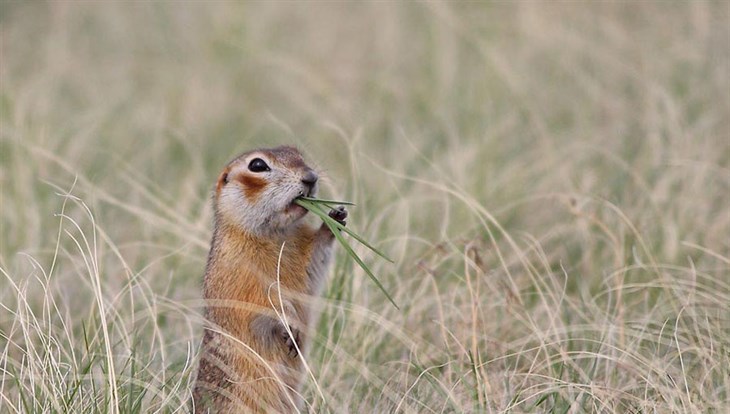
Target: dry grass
{"x":552,"y":181}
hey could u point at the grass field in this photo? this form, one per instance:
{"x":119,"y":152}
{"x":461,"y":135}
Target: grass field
{"x":552,"y":180}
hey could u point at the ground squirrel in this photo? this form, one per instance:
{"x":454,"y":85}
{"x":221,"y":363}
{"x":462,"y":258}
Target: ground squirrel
{"x":264,"y":267}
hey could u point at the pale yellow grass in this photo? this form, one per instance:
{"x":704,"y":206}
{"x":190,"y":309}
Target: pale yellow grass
{"x":552,"y":180}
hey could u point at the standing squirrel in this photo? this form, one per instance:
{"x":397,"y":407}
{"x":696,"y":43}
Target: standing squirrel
{"x":265,"y":268}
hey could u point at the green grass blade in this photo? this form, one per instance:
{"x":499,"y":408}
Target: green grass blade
{"x":359,"y":261}
{"x":362,"y":241}
{"x":335,"y":227}
{"x":326,"y":202}
{"x":315,"y":208}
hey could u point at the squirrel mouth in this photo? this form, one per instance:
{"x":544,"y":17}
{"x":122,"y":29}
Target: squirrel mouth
{"x":293,"y":207}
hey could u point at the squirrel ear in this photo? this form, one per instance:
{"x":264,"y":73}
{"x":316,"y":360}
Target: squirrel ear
{"x":222,"y":180}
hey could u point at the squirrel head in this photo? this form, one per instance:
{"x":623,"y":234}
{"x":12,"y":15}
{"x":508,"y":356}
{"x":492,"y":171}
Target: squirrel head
{"x":256,"y":191}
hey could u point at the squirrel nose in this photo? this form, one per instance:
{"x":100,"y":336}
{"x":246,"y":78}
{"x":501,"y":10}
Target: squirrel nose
{"x":310,"y":178}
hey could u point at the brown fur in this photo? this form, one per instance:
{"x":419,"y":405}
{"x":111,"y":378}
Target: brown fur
{"x":288,"y":156}
{"x":244,"y":267}
{"x":240,"y":369}
{"x":222,"y":179}
{"x":252,"y":186}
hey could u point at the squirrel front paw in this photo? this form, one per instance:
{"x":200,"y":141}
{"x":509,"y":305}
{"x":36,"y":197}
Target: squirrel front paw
{"x":339,"y":214}
{"x":292,"y":341}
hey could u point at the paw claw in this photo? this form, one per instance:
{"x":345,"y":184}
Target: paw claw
{"x":339,"y":214}
{"x":292,"y":341}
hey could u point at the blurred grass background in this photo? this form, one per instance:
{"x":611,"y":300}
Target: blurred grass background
{"x":552,"y":178}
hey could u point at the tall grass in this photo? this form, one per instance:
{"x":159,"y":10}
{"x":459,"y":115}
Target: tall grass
{"x":551,"y":179}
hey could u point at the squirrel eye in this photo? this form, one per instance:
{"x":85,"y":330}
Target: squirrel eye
{"x":258,"y":165}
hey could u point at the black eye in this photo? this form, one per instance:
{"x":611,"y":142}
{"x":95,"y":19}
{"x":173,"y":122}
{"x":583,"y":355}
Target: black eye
{"x":258,"y":165}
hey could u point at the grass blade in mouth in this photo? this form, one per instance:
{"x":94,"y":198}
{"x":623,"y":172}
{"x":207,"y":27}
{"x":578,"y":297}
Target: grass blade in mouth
{"x":347,"y":230}
{"x":326,"y":202}
{"x":315,"y":206}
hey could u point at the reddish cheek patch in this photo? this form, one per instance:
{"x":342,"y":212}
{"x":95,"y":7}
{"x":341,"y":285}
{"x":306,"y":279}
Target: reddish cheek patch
{"x":252,"y":186}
